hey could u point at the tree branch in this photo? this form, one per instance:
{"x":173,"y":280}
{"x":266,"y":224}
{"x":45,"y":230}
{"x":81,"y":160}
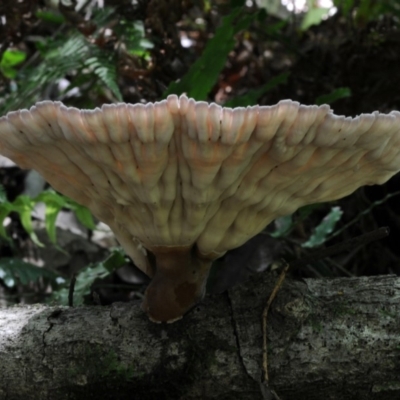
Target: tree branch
{"x":330,"y":339}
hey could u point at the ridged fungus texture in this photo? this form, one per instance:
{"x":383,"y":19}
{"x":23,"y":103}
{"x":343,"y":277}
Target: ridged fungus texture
{"x":186,"y":181}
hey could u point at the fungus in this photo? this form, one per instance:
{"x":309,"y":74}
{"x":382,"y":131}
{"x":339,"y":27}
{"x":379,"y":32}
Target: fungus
{"x":181,"y":182}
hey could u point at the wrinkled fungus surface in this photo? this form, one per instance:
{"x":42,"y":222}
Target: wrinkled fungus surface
{"x":189,"y":180}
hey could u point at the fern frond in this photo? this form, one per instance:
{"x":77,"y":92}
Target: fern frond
{"x":104,"y":68}
{"x":68,"y":54}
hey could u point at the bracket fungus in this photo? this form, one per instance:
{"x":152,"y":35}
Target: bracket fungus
{"x":181,"y":182}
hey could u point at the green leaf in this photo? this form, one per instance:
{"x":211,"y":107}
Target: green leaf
{"x":50,"y":196}
{"x":251,"y":97}
{"x":13,"y":269}
{"x":103,"y":67}
{"x":52,"y":210}
{"x":339,"y":93}
{"x":87,"y":276}
{"x":84,"y":216}
{"x":283,"y":226}
{"x":325,"y":228}
{"x":134,"y":36}
{"x":50,"y":16}
{"x":24,"y":207}
{"x":3,"y":195}
{"x":5,"y":209}
{"x":204,"y":73}
{"x":313,"y":16}
{"x":54,"y":203}
{"x":10,"y":59}
{"x":115,"y":260}
{"x":64,"y":55}
{"x":274,"y":8}
{"x":85,"y":280}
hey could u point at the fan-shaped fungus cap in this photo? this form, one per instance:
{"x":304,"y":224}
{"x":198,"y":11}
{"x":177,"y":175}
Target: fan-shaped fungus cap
{"x":181,"y":182}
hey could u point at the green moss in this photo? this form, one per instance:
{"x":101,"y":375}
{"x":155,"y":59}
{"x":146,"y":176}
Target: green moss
{"x":96,"y":363}
{"x":112,"y":366}
{"x":72,"y":372}
{"x":341,"y":309}
{"x":386,"y":387}
{"x":316,"y":325}
{"x":388,"y":313}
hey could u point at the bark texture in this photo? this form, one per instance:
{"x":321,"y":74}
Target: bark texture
{"x":328,"y":339}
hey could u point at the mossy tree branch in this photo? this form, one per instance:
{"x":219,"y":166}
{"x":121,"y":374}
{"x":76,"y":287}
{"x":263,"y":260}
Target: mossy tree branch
{"x":328,"y":339}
